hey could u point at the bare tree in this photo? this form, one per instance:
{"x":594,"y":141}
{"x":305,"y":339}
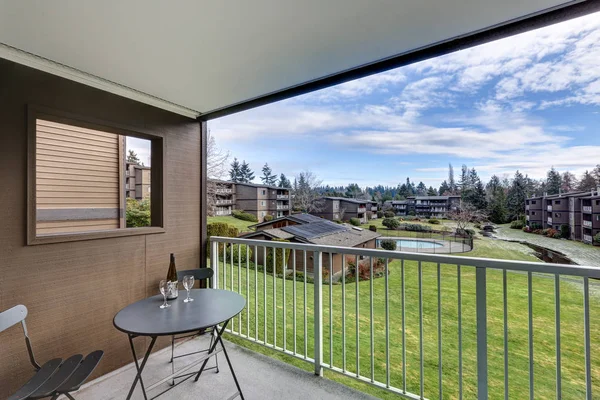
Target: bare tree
{"x":216,"y":168}
{"x":342,"y":213}
{"x":306,"y":195}
{"x":465,"y":215}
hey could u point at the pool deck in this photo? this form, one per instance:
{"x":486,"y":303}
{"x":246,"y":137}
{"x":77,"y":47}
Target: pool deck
{"x":447,"y":247}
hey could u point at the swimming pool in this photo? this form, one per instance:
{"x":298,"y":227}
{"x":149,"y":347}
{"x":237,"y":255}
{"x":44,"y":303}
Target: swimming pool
{"x":415,"y":244}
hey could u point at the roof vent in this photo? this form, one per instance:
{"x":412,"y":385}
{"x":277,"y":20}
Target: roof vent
{"x":356,"y":228}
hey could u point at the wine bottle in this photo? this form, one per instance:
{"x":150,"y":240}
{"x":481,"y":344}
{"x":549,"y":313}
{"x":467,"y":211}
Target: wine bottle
{"x":172,"y":278}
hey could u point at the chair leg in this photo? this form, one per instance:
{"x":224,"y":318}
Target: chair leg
{"x":212,"y":337}
{"x":69,"y":396}
{"x":172,"y":362}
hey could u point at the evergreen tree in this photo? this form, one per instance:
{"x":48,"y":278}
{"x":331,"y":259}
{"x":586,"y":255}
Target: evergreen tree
{"x":235,"y":174}
{"x":517,"y":194}
{"x":444,"y":189}
{"x":496,"y":200}
{"x":432,"y":191}
{"x":421,"y":189}
{"x":353,"y":191}
{"x":451,"y":182}
{"x":553,"y":181}
{"x":268,"y":177}
{"x":403,"y":192}
{"x":464,"y":178}
{"x":587,"y":181}
{"x":568,"y":182}
{"x":132,"y":157}
{"x":596,"y":174}
{"x":472,"y":191}
{"x":246,"y":174}
{"x":284,"y":182}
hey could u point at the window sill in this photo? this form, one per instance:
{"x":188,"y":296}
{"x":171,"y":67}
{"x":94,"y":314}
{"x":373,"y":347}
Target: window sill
{"x":93,"y":235}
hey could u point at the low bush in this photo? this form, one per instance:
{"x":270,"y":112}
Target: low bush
{"x":373,"y":228}
{"x":268,"y":218}
{"x":338,"y":221}
{"x":465,"y":232}
{"x":279,"y":258}
{"x":557,"y":235}
{"x":239,"y":253}
{"x":565,"y":231}
{"x":517,"y":224}
{"x":552,"y":233}
{"x":364,"y":269}
{"x":434,"y":221}
{"x":526,"y":229}
{"x":388,"y":244}
{"x":380,"y":214}
{"x":412,"y":213}
{"x":389,"y":214}
{"x":537,"y":231}
{"x":416,"y":227}
{"x":220,"y":229}
{"x":597,"y":239}
{"x":391,"y":223}
{"x":354,"y":221}
{"x":244,"y":216}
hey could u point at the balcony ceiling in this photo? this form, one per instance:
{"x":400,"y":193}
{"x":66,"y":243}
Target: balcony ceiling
{"x":207,"y":55}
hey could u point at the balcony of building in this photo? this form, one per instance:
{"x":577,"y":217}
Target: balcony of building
{"x":361,"y":210}
{"x":549,"y":208}
{"x":283,"y":207}
{"x":223,"y":201}
{"x":224,"y":191}
{"x":549,"y":220}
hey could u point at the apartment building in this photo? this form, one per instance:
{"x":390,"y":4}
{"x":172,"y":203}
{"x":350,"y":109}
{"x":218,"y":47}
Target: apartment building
{"x":342,"y":208}
{"x":425,"y":206}
{"x":262,"y":200}
{"x":137,"y":181}
{"x":579,"y":210}
{"x":222,"y":197}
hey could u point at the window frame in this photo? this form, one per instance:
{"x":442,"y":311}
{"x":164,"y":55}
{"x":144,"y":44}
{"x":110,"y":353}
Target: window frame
{"x":157,"y":196}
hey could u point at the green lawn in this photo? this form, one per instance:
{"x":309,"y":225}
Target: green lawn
{"x":543,"y":306}
{"x":238,"y":223}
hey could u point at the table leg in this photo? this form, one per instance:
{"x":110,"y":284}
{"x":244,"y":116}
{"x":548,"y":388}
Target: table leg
{"x":212,"y":349}
{"x":139,"y":367}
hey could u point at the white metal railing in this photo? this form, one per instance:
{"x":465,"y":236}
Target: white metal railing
{"x":550,"y":220}
{"x":587,"y":209}
{"x":527,"y":207}
{"x":549,"y":208}
{"x":527,"y":217}
{"x":282,"y":207}
{"x":587,"y":224}
{"x":283,"y":196}
{"x":223,"y":201}
{"x":224,"y":190}
{"x":411,"y":335}
{"x":227,"y":212}
{"x":361,"y":209}
{"x":587,"y":238}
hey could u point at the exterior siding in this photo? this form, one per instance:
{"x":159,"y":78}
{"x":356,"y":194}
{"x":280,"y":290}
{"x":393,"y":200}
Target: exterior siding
{"x":75,"y":289}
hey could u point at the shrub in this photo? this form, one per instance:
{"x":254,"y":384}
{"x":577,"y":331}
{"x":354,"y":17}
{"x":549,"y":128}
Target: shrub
{"x":565,"y":231}
{"x":597,"y":238}
{"x":279,"y":258}
{"x":373,"y":228}
{"x":557,"y":235}
{"x":517,"y":224}
{"x":220,"y":229}
{"x":137,"y":213}
{"x":537,"y":231}
{"x":239,"y":253}
{"x":391,"y":223}
{"x":268,"y":218}
{"x":364,"y":269}
{"x":338,"y":221}
{"x":354,"y":221}
{"x":434,"y":221}
{"x":388,"y":244}
{"x":465,"y":232}
{"x":527,"y":229}
{"x":389,"y":214}
{"x":380,"y":214}
{"x":416,"y":227}
{"x":411,"y":213}
{"x":244,"y":216}
{"x":552,"y":233}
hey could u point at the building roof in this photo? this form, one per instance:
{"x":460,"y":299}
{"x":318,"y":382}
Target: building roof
{"x":299,"y":218}
{"x":434,"y":197}
{"x":256,"y":185}
{"x":349,"y":200}
{"x":349,"y":237}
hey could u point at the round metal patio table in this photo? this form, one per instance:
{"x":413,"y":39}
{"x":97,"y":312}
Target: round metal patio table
{"x":210,"y":308}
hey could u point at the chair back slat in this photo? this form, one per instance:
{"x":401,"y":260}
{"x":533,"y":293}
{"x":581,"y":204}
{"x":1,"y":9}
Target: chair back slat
{"x":12,"y":316}
{"x":199,"y":274}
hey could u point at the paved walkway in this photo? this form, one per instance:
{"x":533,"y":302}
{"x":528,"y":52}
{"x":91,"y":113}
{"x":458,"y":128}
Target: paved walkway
{"x":582,"y":254}
{"x":260,"y":377}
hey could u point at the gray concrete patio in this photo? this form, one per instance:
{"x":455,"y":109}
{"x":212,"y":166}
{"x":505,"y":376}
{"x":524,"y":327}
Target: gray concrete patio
{"x":260,"y":378}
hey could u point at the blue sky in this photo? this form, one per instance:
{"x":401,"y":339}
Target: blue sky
{"x":527,"y":102}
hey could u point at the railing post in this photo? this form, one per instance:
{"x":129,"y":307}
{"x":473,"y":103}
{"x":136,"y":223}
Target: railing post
{"x":318,"y":311}
{"x":482,"y":364}
{"x":214,"y":255}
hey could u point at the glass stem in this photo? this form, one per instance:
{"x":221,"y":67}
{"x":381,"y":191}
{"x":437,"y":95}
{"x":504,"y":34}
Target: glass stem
{"x":164,"y":299}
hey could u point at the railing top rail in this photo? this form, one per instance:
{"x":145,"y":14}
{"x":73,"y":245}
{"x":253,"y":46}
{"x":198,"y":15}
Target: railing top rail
{"x":563,"y":269}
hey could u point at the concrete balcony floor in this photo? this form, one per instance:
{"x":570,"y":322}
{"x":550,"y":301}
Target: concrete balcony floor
{"x":260,"y":377}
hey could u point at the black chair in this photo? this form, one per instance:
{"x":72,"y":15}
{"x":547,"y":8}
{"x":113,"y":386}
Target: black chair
{"x":55,"y":377}
{"x":199,"y":274}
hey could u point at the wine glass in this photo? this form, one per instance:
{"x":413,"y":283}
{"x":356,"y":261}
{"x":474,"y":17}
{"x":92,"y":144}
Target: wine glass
{"x":188,"y":283}
{"x":164,"y":287}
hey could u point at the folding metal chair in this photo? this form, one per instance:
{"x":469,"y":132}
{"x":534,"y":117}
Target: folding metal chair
{"x":199,"y":274}
{"x":55,"y":377}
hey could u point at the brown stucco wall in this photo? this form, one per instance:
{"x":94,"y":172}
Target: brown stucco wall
{"x":73,"y":290}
